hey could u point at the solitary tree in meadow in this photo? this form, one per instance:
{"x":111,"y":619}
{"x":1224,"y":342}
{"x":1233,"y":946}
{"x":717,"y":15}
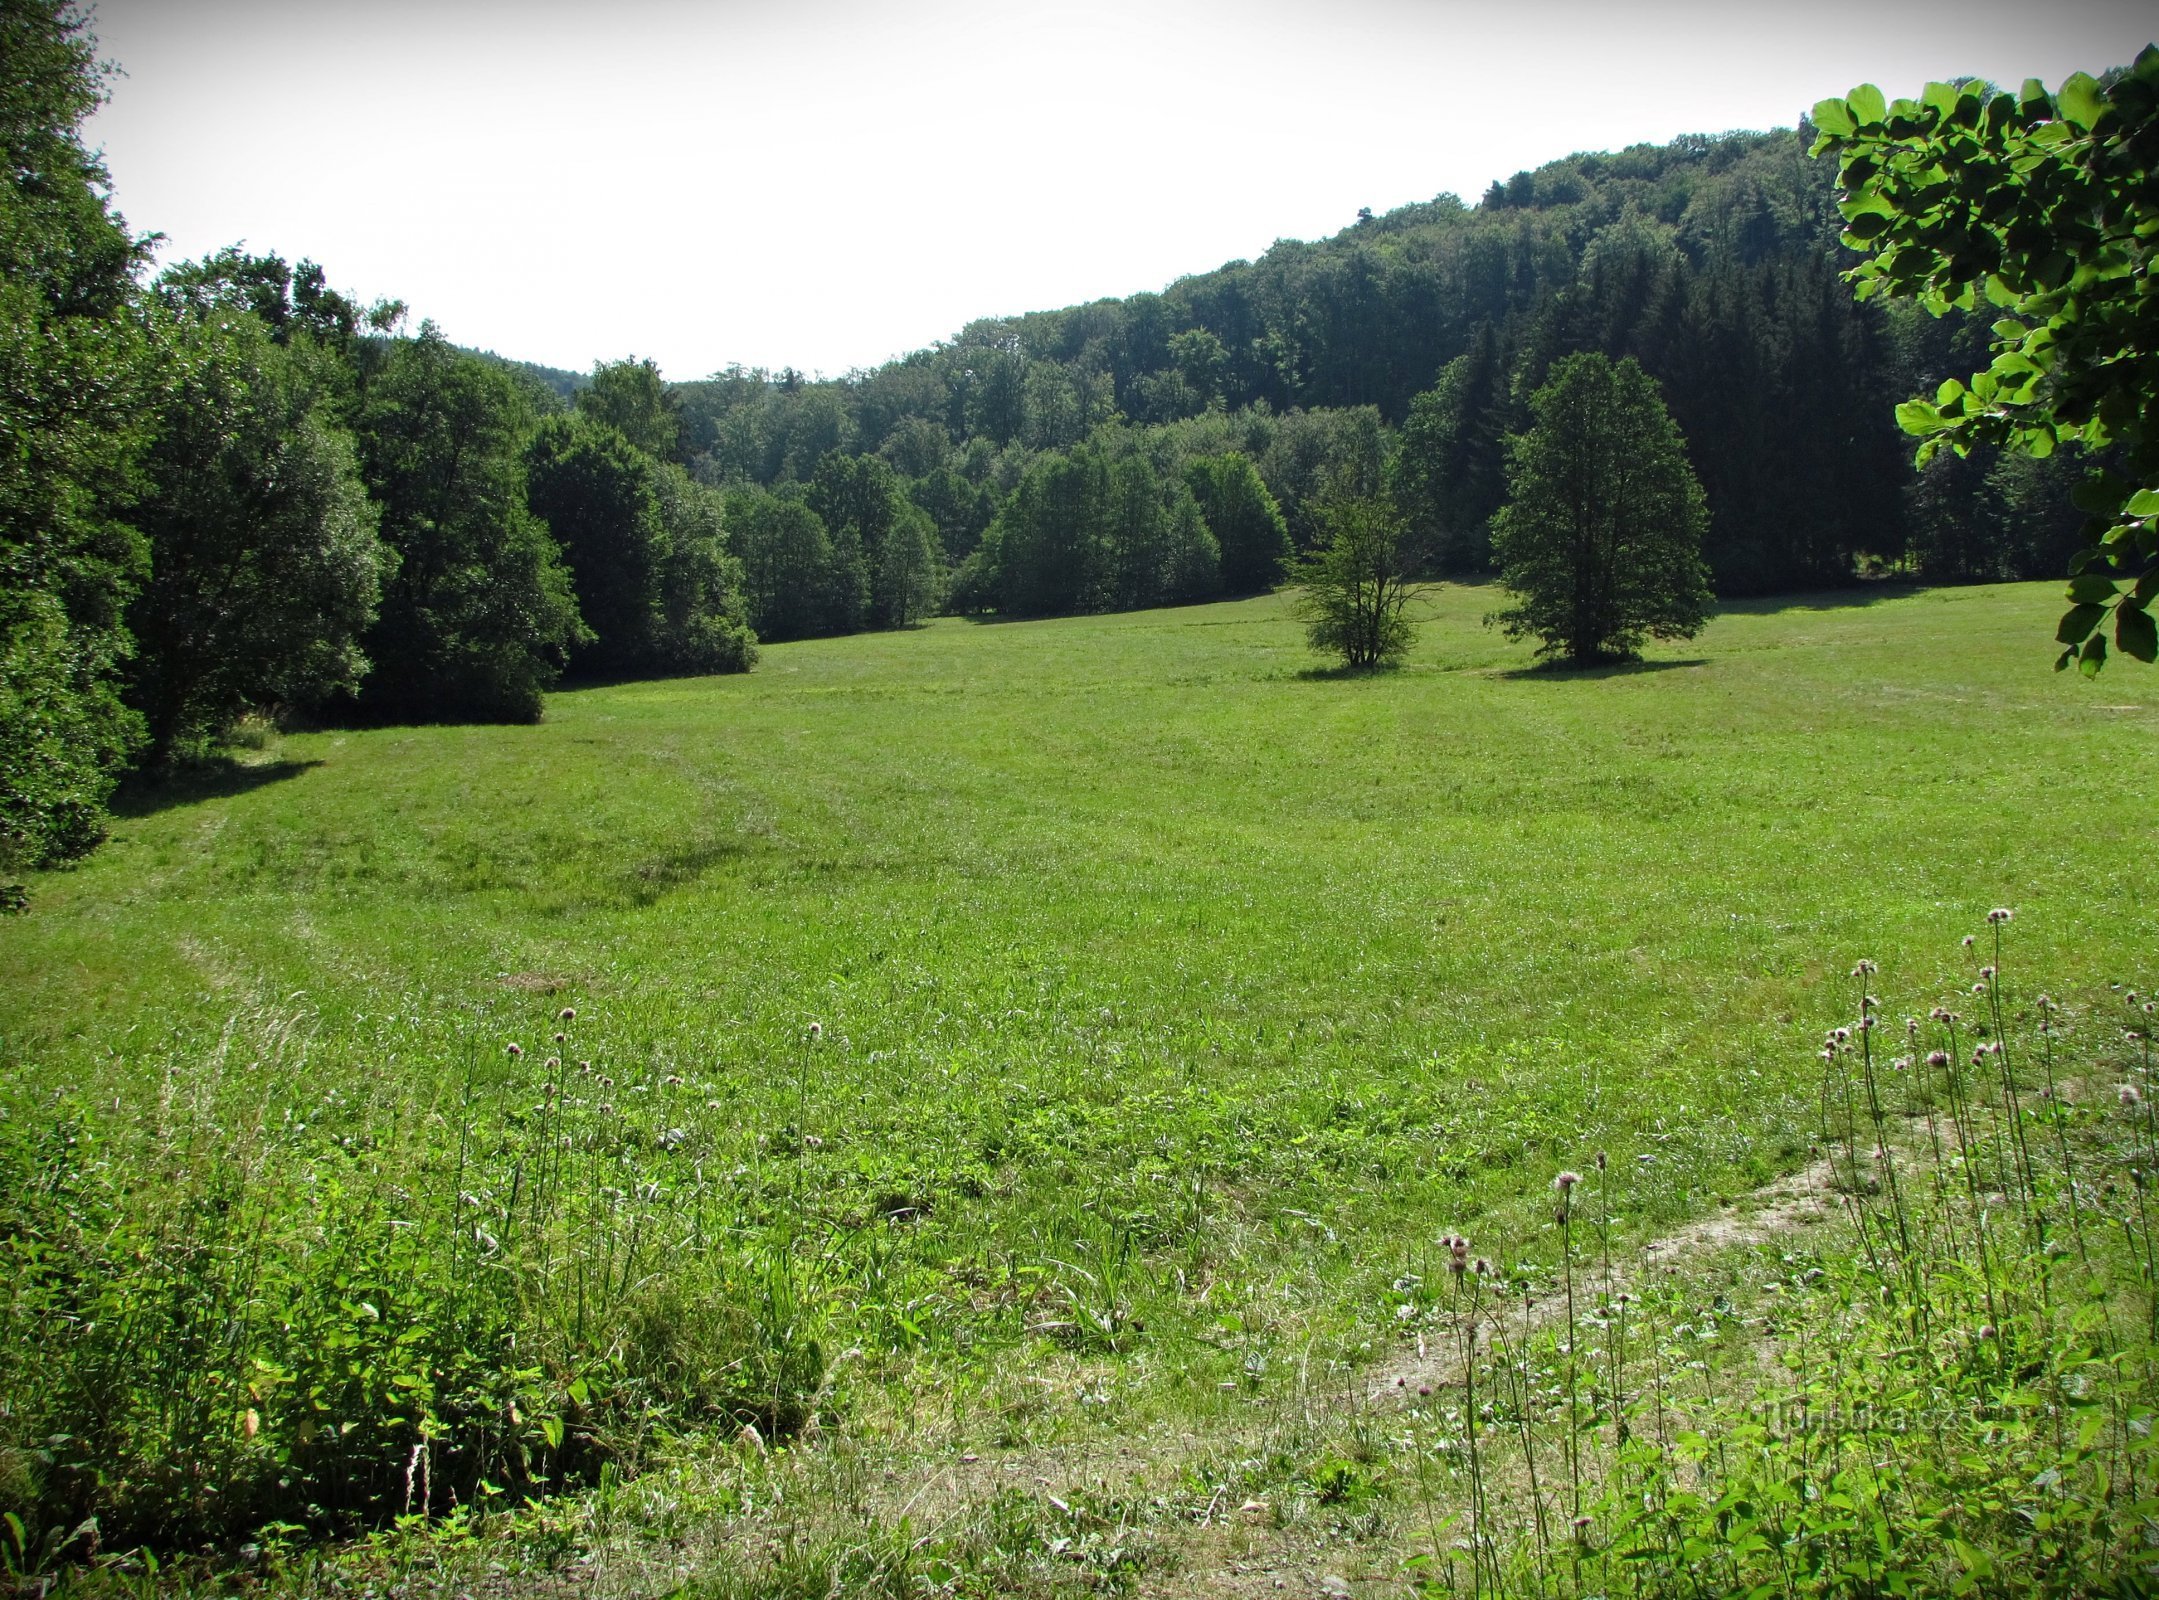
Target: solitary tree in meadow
{"x":1601,"y":538}
{"x":1356,"y":592}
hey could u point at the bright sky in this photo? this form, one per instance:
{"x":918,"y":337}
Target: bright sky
{"x":828,"y":183}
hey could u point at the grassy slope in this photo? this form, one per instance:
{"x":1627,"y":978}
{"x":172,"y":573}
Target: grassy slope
{"x":1089,"y":907}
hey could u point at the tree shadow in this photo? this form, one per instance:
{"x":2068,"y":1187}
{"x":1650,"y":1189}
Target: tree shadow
{"x":1343,"y":674}
{"x":1603,"y":669}
{"x":145,"y":795}
{"x":1873,"y":592}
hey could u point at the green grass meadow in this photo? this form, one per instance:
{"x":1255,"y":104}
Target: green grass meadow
{"x":1172,"y":995}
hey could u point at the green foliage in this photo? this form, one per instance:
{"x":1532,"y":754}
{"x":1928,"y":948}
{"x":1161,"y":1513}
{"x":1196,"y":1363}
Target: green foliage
{"x":1096,"y":528}
{"x":630,"y":397}
{"x":1600,"y":541}
{"x":265,"y":568}
{"x":795,"y":583}
{"x":1246,"y":523}
{"x":479,"y":616}
{"x":72,"y":366}
{"x":2040,"y":206}
{"x":1447,"y":472}
{"x":595,"y":492}
{"x":877,"y":532}
{"x":1354,"y":588}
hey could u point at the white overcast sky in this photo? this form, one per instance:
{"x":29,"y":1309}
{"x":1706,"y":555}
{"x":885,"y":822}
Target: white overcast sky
{"x":828,"y":183}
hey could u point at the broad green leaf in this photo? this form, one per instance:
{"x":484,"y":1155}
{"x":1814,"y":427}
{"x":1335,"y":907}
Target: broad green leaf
{"x":2093,"y":656}
{"x":1866,"y":105}
{"x":2135,"y":633}
{"x":2082,"y":100}
{"x":1834,"y":118}
{"x":1920,"y":416}
{"x":2091,"y":589}
{"x":2077,"y":623}
{"x":2144,"y":503}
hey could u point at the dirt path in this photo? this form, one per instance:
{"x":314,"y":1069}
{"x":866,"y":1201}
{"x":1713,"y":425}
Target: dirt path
{"x":1803,"y":1199}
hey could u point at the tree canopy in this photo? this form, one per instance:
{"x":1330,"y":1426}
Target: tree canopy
{"x":2045,"y":207}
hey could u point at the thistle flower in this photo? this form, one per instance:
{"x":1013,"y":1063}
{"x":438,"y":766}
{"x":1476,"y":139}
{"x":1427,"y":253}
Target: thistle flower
{"x":1937,"y":1058}
{"x":2129,"y":1096}
{"x":1938,"y":1014}
{"x":1600,"y":1161}
{"x":567,"y":1014}
{"x":561,"y":1037}
{"x":1979,"y":988}
{"x":516,"y":1050}
{"x":817,"y":1030}
{"x":1968,"y":941}
{"x":553,"y":1062}
{"x":673,"y":1080}
{"x":1482,"y":1266}
{"x":2000,"y":915}
{"x":1986,"y":972}
{"x":1986,"y":1330}
{"x":1841,"y":1035}
{"x":1865,"y":969}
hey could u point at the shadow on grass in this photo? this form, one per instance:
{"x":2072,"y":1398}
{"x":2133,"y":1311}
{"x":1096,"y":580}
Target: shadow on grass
{"x":1342,"y":674}
{"x":1870,"y":593}
{"x":1603,"y":669}
{"x":147,"y":795}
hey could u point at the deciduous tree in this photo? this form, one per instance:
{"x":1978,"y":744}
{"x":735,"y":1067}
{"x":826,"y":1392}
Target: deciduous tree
{"x":2044,"y":206}
{"x":1601,"y":540}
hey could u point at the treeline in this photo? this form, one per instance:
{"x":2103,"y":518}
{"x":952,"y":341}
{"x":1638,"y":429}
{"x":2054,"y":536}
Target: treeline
{"x":1405,"y":348}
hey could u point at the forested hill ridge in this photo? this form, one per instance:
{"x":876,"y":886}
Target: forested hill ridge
{"x":1404,"y":348}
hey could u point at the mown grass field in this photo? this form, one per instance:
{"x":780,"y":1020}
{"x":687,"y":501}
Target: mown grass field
{"x":1172,"y":996}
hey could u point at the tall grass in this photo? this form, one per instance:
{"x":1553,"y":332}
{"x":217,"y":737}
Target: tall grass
{"x":261,"y":1304}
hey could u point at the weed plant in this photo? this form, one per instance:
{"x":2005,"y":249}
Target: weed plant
{"x":1960,"y":1402}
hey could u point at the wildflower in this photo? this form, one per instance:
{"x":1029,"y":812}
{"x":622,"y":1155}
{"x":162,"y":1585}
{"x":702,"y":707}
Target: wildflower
{"x":1986,"y":1330}
{"x":1482,"y":1266}
{"x":673,"y":1080}
{"x":1968,"y":941}
{"x":1424,"y":1390}
{"x":1937,"y":1058}
{"x":1979,"y":988}
{"x":1911,"y":1026}
{"x":568,"y":1014}
{"x":1582,"y":1524}
{"x":606,"y":1082}
{"x":1600,"y":1160}
{"x":1986,"y":972}
{"x":1867,"y":1002}
{"x":1566,"y":1181}
{"x":561,"y":1037}
{"x":516,"y":1050}
{"x":817,"y":1030}
{"x":2000,"y":915}
{"x":2129,"y":1096}
{"x":1865,"y":969}
{"x":1937,"y":1015}
{"x":1841,"y":1035}
{"x":553,"y":1062}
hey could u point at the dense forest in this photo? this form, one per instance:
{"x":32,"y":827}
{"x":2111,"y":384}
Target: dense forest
{"x":229,"y":490}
